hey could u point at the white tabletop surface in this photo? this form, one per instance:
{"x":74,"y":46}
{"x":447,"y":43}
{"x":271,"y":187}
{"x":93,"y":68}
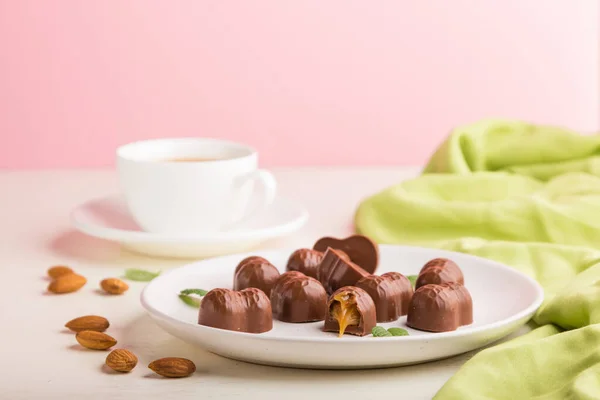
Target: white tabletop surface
{"x":40,"y":359}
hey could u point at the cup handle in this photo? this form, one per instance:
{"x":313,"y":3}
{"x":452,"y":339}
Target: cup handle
{"x":268,"y":187}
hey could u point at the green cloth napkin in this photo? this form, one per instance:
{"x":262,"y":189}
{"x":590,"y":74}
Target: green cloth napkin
{"x":527,"y":196}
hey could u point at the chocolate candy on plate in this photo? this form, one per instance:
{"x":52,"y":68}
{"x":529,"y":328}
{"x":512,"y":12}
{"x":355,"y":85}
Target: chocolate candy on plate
{"x":298,"y":298}
{"x":440,"y":308}
{"x":439,"y":270}
{"x":248,"y":310}
{"x":391,"y":293}
{"x":306,"y":261}
{"x":255,"y":272}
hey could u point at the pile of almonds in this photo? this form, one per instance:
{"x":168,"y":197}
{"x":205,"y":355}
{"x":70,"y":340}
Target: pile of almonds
{"x":90,"y":328}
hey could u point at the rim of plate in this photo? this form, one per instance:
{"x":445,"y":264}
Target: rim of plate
{"x":529,"y":310}
{"x":140,"y":236}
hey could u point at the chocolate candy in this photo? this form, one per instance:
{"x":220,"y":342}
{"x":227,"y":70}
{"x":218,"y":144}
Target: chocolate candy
{"x":306,"y":261}
{"x":439,"y":270}
{"x":298,"y":298}
{"x":361,"y":250}
{"x":350,"y":310}
{"x":248,"y":310}
{"x":257,"y":273}
{"x":440,"y":308}
{"x":248,"y":259}
{"x":391,"y":293}
{"x":337,"y":271}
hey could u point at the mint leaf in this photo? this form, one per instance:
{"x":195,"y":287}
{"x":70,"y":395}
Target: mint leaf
{"x":398,"y":332}
{"x":190,"y":300}
{"x":185,"y":296}
{"x":199,"y":292}
{"x":412,"y":279}
{"x":140,"y":275}
{"x":380,"y":331}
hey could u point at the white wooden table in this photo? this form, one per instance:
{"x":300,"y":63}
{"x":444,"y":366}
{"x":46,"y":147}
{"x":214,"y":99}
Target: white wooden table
{"x":40,"y":359}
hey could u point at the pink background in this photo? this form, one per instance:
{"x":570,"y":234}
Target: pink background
{"x":297,"y":79}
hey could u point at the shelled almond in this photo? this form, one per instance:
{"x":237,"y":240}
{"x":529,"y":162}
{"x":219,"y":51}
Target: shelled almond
{"x":58,"y":271}
{"x":67,"y":283}
{"x":121,"y":360}
{"x":88,"y":323}
{"x":95,"y":340}
{"x":114,"y":286}
{"x":173,"y":367}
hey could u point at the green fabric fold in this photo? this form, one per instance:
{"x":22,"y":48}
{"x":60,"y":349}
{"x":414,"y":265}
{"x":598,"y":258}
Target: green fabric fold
{"x":543,"y":364}
{"x":527,"y":196}
{"x":539,"y":151}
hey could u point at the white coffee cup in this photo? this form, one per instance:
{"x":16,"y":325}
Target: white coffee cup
{"x":192,"y":185}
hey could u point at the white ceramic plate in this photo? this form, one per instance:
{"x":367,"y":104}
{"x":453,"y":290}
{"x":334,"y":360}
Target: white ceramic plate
{"x":108,"y":218}
{"x":503,"y":300}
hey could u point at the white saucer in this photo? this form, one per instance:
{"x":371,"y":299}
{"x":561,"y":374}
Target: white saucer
{"x":503,"y":300}
{"x":108,"y":218}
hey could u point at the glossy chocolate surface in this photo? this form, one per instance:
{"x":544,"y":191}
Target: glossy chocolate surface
{"x":350,"y":300}
{"x":248,"y":310}
{"x":255,"y":273}
{"x":337,"y":271}
{"x":306,"y":261}
{"x":361,"y":250}
{"x":439,"y":270}
{"x":298,"y":298}
{"x":391,"y":293}
{"x":440,"y":308}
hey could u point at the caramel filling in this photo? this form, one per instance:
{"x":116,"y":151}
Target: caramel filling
{"x":345,"y":312}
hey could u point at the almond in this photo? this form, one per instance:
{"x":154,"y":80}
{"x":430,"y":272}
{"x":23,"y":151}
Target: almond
{"x":88,"y":323}
{"x":58,"y":271}
{"x":67,"y":284}
{"x":95,"y":340}
{"x":114,"y":286}
{"x":173,"y":367}
{"x":121,"y":360}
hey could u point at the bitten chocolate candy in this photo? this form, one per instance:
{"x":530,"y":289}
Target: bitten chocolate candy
{"x":350,"y":310}
{"x":257,"y":273}
{"x":248,"y":310}
{"x":298,"y":298}
{"x":440,"y":308}
{"x":306,"y":261}
{"x":361,"y":250}
{"x":337,"y":271}
{"x":391,"y":293}
{"x":439,"y":270}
